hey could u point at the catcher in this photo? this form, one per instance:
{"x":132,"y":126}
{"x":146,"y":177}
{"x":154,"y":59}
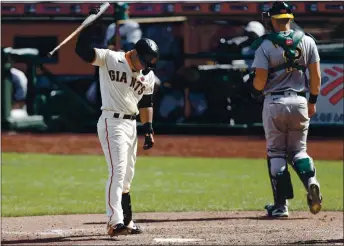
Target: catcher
{"x":280,"y":65}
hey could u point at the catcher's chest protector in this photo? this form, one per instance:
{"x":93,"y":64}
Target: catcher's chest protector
{"x":289,"y":43}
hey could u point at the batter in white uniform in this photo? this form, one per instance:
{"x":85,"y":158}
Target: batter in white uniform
{"x":126,"y":85}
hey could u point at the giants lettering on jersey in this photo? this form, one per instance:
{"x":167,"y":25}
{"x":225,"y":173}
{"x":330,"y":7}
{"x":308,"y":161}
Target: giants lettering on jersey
{"x":121,"y":77}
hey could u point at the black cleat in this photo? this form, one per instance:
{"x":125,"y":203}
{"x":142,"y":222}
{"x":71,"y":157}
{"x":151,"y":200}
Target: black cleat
{"x":277,"y":212}
{"x":135,"y":229}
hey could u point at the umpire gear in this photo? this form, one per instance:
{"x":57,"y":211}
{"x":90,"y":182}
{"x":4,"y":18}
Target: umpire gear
{"x":148,"y":52}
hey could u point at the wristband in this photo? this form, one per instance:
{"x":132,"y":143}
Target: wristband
{"x":312,"y":98}
{"x":148,"y":127}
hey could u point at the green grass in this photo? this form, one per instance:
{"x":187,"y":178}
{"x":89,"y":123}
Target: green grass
{"x":35,"y":184}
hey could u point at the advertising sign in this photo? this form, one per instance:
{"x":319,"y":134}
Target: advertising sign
{"x":330,"y":103}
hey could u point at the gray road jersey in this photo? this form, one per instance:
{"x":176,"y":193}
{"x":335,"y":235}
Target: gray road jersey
{"x":269,"y":56}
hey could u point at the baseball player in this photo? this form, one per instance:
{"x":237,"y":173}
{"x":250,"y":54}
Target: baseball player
{"x":126,"y":84}
{"x":280,"y":65}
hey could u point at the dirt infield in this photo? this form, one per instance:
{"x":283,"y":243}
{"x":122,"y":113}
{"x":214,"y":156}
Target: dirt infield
{"x":216,"y":228}
{"x":203,"y":146}
{"x":192,"y":228}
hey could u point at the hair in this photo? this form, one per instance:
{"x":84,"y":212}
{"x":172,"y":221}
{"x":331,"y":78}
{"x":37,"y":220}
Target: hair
{"x":282,"y":22}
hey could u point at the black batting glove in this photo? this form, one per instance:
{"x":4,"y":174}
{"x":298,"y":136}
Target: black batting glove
{"x":148,"y":131}
{"x":94,"y":11}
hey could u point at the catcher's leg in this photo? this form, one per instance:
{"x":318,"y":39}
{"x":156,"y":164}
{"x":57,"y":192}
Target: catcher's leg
{"x":282,"y":188}
{"x":274,"y":115}
{"x":280,"y":180}
{"x":304,"y":167}
{"x":301,"y":161}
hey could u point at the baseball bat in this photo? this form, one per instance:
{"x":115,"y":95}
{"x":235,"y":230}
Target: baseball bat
{"x":89,"y":20}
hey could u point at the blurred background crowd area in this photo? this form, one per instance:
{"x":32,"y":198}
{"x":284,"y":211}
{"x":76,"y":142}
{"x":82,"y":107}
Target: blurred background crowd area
{"x":205,"y":55}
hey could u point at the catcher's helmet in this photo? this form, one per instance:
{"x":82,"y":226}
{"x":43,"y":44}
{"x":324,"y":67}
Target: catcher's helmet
{"x":148,"y":52}
{"x":280,"y":10}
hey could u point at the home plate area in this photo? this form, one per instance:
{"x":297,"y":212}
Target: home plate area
{"x":187,"y":228}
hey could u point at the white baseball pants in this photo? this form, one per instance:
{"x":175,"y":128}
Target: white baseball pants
{"x":118,"y":138}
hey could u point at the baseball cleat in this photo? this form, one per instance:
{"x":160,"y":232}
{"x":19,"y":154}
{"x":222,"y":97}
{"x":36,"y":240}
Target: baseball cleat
{"x":314,"y":199}
{"x":135,"y":229}
{"x":118,"y":229}
{"x":277,"y":212}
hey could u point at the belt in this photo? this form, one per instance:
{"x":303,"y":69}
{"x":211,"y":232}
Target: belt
{"x":285,"y":93}
{"x":125,"y":116}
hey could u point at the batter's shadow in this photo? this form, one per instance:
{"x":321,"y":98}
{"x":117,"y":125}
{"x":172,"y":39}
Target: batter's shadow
{"x":203,"y":219}
{"x":317,"y":242}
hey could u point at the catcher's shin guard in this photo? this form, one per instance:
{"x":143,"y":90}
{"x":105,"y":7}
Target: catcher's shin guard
{"x":305,"y":169}
{"x":126,"y":206}
{"x":284,"y":185}
{"x":281,"y":185}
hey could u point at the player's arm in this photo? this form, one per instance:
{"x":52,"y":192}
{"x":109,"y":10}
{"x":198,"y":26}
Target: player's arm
{"x":314,"y":73}
{"x":86,"y":52}
{"x":260,"y":79}
{"x":146,"y":115}
{"x":84,"y":48}
{"x":314,"y":79}
{"x":260,"y":65}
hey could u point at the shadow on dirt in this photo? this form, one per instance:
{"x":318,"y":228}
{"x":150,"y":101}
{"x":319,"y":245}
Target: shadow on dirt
{"x":202,"y":219}
{"x":325,"y":241}
{"x":71,"y":239}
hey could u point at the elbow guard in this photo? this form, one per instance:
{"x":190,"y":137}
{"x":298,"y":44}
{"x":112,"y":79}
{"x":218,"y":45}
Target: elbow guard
{"x":146,"y":101}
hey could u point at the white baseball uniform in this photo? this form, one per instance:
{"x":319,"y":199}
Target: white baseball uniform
{"x":121,"y":90}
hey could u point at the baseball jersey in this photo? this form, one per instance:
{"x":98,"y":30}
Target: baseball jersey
{"x":121,"y":89}
{"x":268,"y":56}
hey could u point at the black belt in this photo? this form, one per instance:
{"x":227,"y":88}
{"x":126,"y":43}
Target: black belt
{"x":126,"y":116}
{"x":282,"y":93}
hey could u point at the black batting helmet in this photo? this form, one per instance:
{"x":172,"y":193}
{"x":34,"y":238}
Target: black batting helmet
{"x":280,"y":10}
{"x":148,"y":52}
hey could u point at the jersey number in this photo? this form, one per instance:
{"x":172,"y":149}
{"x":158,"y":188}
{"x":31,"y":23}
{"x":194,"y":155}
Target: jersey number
{"x":297,"y":56}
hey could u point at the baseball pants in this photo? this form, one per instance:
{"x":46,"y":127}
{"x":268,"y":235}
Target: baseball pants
{"x":286,"y":122}
{"x":118,"y":138}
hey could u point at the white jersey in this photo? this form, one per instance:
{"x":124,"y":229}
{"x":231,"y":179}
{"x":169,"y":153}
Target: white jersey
{"x":121,"y":89}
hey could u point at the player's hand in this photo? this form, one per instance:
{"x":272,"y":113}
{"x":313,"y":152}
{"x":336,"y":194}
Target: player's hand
{"x":94,"y":11}
{"x":311,"y":109}
{"x":149,"y":139}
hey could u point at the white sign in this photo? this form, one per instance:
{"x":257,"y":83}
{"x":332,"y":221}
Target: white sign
{"x":331,"y":98}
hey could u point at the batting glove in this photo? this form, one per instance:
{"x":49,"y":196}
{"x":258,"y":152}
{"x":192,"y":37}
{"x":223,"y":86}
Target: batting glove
{"x":148,"y":131}
{"x":94,"y":11}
